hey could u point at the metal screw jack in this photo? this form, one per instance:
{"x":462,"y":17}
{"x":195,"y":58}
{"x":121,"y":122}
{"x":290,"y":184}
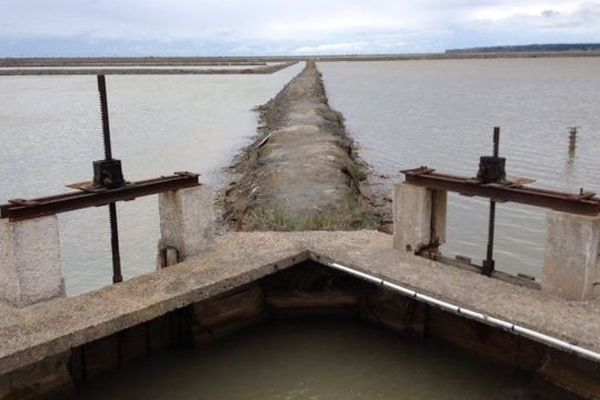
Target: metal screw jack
{"x":108,"y":174}
{"x":492,"y":169}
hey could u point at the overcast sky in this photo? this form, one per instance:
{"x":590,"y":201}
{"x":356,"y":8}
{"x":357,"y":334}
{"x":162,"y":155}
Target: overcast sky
{"x":250,"y":27}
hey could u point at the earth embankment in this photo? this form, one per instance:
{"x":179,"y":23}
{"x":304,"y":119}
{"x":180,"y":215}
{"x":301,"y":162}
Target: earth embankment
{"x":302,"y":172}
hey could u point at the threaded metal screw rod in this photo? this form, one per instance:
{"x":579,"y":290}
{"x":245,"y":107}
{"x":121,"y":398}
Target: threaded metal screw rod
{"x":114,"y":243}
{"x":105,"y":121}
{"x":112,"y":207}
{"x":488,"y":264}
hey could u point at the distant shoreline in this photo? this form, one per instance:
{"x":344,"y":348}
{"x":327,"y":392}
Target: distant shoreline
{"x":95,"y":68}
{"x":459,"y":56}
{"x":42,"y":62}
{"x":548,"y":47}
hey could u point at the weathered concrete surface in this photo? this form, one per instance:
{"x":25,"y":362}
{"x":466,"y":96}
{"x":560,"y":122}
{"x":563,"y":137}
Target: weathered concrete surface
{"x":48,"y":380}
{"x":220,"y":316}
{"x":30,"y":262}
{"x":301,"y":173}
{"x":33,"y":333}
{"x":187,"y":222}
{"x":439,"y":216}
{"x":419,"y":217}
{"x":412,"y":217}
{"x":571,"y":375}
{"x":571,"y":264}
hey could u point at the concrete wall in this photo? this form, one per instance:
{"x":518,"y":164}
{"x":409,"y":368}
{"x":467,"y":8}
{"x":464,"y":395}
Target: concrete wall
{"x":48,"y":380}
{"x":30,"y":261}
{"x":571,"y":266}
{"x":187,"y":223}
{"x":419,"y":217}
{"x":30,"y":255}
{"x":307,"y":290}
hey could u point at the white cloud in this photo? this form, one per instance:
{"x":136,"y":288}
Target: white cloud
{"x":292,"y":26}
{"x":541,"y":21}
{"x":333,"y":48}
{"x":327,"y":25}
{"x":500,"y":12}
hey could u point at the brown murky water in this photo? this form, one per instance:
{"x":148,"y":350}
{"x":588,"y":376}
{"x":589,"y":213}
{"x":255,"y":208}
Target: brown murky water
{"x":441,"y":114}
{"x":311,"y":361}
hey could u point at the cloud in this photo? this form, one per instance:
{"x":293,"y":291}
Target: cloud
{"x":334,"y":48}
{"x":525,"y":17}
{"x":225,"y":27}
{"x":330,"y":25}
{"x":550,"y":13}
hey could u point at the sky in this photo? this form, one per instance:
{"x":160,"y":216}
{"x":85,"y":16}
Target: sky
{"x":285,"y":27}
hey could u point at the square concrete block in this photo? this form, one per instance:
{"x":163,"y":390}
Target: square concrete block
{"x":187,"y":220}
{"x":30,"y":261}
{"x":571,"y":268}
{"x":412,"y":217}
{"x":439,"y":212}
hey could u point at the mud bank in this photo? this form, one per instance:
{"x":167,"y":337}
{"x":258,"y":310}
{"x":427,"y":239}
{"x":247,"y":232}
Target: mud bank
{"x":302,"y":171}
{"x":147,"y":70}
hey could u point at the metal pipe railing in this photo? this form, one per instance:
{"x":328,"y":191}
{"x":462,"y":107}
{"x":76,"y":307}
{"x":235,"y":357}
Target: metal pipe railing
{"x":489,"y":320}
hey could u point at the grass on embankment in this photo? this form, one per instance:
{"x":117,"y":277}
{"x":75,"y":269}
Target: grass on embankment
{"x":352,"y":215}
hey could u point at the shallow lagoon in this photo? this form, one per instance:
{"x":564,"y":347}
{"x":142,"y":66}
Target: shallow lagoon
{"x":51,"y":132}
{"x":441,"y":113}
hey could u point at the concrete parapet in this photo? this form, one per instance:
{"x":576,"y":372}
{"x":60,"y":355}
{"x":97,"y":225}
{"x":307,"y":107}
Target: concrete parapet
{"x":30,"y":261}
{"x":187,"y":223}
{"x":285,"y":274}
{"x":571,"y":267}
{"x":565,"y":376}
{"x":419,"y":217}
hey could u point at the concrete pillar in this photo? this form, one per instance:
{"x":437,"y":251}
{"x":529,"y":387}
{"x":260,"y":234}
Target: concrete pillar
{"x":187,"y":223}
{"x":571,"y":269}
{"x":419,"y":217}
{"x":30,"y":261}
{"x":439,"y":207}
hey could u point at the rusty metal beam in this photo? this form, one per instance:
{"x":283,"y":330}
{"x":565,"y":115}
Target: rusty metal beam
{"x":584,"y":203}
{"x":88,"y":196}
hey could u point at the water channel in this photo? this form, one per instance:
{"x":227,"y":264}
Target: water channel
{"x":441,"y":113}
{"x":332,"y":360}
{"x":402,"y":114}
{"x":51,"y":132}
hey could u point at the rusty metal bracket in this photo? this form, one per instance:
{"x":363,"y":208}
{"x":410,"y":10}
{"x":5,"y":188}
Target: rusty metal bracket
{"x":584,"y":203}
{"x":91,"y":196}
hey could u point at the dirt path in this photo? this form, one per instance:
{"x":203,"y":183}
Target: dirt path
{"x":302,"y":172}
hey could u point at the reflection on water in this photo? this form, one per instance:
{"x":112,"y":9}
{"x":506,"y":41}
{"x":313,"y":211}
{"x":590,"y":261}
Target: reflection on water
{"x":441,"y":114}
{"x":570,"y":168}
{"x":325,"y":360}
{"x":50,"y":133}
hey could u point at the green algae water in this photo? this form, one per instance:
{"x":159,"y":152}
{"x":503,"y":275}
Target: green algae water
{"x":300,"y":360}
